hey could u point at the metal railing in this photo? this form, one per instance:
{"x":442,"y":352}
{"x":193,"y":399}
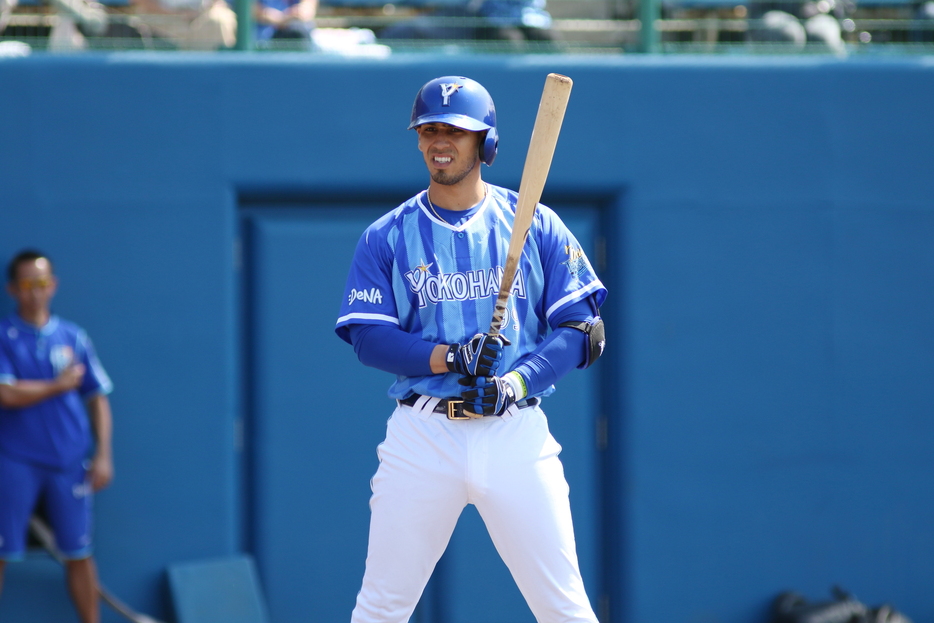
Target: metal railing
{"x":648,"y":27}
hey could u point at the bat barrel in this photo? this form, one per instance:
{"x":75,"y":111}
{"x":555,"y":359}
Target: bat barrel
{"x":542,"y":145}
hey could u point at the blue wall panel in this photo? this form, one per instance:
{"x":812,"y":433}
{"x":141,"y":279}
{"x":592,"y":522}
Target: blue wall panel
{"x":769,"y":398}
{"x":732,"y":317}
{"x":316,"y":414}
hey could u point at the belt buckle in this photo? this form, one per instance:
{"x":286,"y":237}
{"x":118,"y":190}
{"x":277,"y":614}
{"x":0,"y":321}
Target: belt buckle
{"x":455,"y":411}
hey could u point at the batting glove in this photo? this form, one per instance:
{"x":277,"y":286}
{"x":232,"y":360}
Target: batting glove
{"x":492,"y":395}
{"x":478,"y":357}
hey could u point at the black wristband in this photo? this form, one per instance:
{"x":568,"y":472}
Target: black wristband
{"x":451,"y":356}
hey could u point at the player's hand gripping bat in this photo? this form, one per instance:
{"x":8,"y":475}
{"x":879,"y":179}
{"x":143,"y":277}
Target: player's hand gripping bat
{"x":545,"y":132}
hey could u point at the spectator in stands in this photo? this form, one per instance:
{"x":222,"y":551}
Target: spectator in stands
{"x":55,"y":428}
{"x":923,"y":32}
{"x":188,"y":24}
{"x":511,"y":20}
{"x":483,"y":20}
{"x":76,"y":20}
{"x":6,"y":11}
{"x":799,"y":23}
{"x":285,"y":20}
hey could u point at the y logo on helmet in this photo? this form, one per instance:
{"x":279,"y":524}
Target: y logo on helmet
{"x":447,"y":90}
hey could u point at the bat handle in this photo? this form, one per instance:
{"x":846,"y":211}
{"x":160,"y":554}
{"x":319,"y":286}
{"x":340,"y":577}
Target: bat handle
{"x":499,"y":314}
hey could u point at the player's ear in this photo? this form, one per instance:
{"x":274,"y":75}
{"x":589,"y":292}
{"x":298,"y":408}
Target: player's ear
{"x":489,"y":143}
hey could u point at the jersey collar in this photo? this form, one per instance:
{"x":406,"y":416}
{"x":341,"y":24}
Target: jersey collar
{"x":423,"y":204}
{"x":47,"y":329}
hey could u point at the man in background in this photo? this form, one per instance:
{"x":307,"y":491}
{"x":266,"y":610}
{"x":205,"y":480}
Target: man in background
{"x":203,"y":25}
{"x":285,"y":20}
{"x":55,"y":428}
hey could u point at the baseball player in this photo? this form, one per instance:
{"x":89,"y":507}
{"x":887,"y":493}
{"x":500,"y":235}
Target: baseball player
{"x":468,"y":427}
{"x":53,"y":411}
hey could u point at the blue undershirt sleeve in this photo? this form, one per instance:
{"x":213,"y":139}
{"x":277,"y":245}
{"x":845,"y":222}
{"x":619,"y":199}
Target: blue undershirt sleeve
{"x":563,"y":350}
{"x":391,"y":349}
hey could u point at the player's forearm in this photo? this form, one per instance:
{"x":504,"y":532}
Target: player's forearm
{"x":26,"y":393}
{"x":102,"y":468}
{"x":561,"y":352}
{"x":102,"y":424}
{"x":438,"y":361}
{"x":392,"y":350}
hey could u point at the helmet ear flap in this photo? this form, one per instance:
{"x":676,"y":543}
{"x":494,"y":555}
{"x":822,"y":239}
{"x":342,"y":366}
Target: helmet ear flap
{"x":489,"y":146}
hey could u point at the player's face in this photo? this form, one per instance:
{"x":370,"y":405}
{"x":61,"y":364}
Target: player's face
{"x":33,"y":287}
{"x":451,"y":153}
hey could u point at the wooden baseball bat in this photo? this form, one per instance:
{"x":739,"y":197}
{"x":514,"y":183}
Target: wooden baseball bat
{"x":545,"y":133}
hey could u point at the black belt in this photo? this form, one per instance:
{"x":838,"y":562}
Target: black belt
{"x":454,"y":407}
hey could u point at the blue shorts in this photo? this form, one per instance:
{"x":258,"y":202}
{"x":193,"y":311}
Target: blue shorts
{"x":66,"y":498}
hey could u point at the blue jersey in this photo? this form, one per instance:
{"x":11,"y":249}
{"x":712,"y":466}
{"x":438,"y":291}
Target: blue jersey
{"x":440,"y":281}
{"x":55,"y":432}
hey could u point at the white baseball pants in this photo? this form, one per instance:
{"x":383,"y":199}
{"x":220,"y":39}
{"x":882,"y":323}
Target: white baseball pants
{"x":430,"y":469}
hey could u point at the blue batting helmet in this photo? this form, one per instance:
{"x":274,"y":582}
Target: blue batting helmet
{"x":460,"y":102}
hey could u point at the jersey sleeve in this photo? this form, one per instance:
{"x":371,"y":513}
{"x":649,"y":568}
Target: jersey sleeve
{"x":368,"y":297}
{"x":570,"y":277}
{"x":7,"y":371}
{"x":96,"y":380}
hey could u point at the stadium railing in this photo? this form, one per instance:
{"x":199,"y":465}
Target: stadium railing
{"x":576,"y":26}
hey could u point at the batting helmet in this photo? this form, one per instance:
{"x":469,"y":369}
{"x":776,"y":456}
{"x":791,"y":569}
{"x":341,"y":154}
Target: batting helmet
{"x":460,"y":102}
